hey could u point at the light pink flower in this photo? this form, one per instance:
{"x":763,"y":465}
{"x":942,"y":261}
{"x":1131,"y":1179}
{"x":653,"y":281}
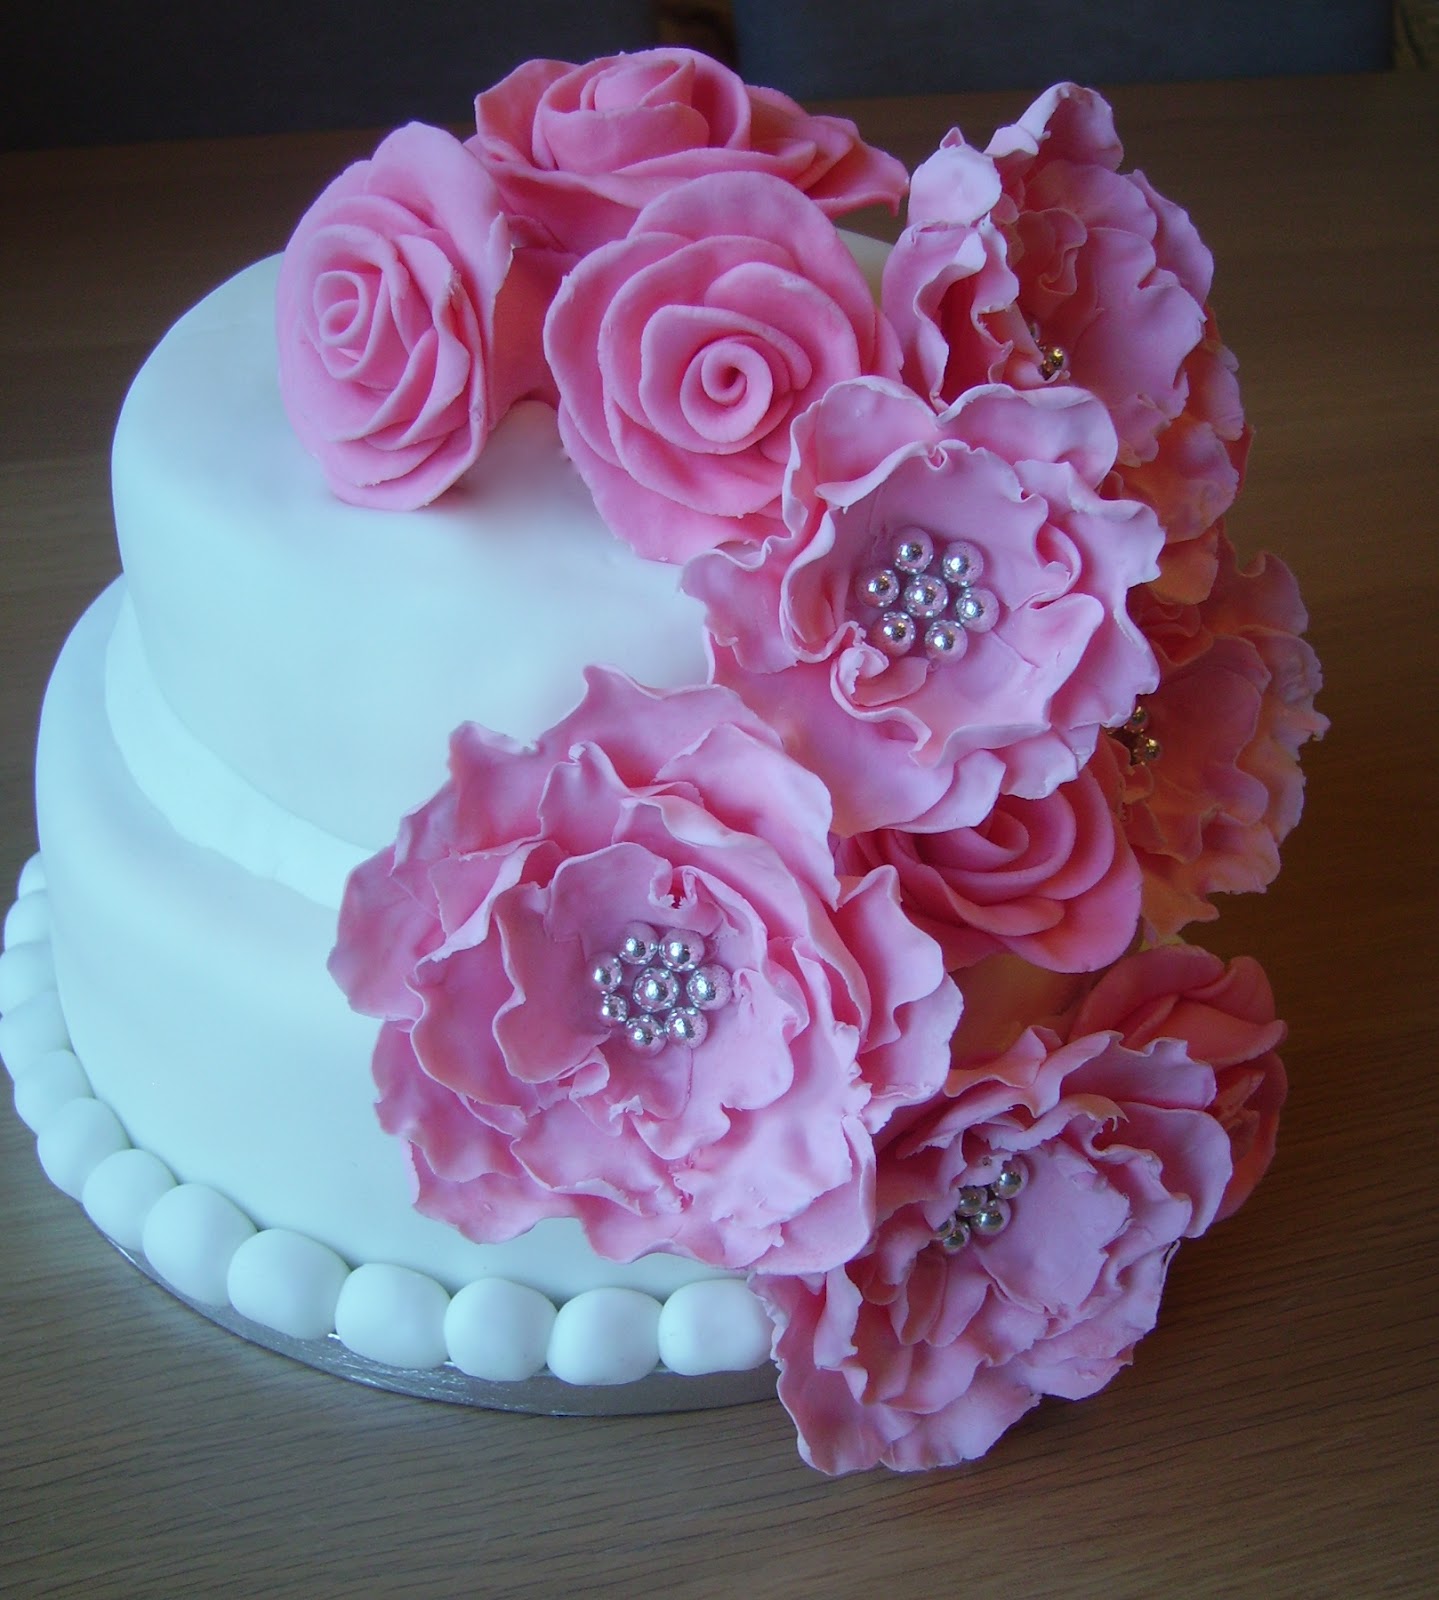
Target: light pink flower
{"x":386,"y":315}
{"x":1234,"y":706}
{"x":475,"y":938}
{"x":916,"y":1355}
{"x":684,"y":351}
{"x":1009,"y":481}
{"x":1223,"y":1014}
{"x":1051,"y":880}
{"x":579,"y":151}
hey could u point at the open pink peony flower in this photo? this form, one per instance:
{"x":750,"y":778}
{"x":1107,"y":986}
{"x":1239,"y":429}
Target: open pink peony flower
{"x":922,"y":1350}
{"x":385,"y":320}
{"x":944,"y":621}
{"x":1234,"y":706}
{"x":740,"y":1134}
{"x":579,"y":151}
{"x":1223,"y":1014}
{"x":684,"y":351}
{"x":1052,"y":880}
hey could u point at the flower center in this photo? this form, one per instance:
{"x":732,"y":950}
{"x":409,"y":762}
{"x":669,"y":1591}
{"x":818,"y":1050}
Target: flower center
{"x":982,"y":1210}
{"x":1133,"y":733}
{"x":658,"y":987}
{"x":924,"y":594}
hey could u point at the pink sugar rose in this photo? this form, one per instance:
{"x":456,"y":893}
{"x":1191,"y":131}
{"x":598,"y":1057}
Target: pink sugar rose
{"x":579,"y":151}
{"x":1224,"y":1016}
{"x":385,"y":320}
{"x":684,"y":351}
{"x":1038,"y":652}
{"x":1052,"y":880}
{"x":1234,"y":706}
{"x":476,"y":937}
{"x":922,"y":1350}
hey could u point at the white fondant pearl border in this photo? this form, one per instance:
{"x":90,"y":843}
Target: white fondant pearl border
{"x":494,"y":1343}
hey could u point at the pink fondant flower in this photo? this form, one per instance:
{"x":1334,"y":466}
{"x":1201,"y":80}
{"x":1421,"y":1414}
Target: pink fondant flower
{"x":1051,"y":880}
{"x":1037,"y":650}
{"x":385,"y":316}
{"x":922,"y":1350}
{"x":579,"y":151}
{"x":684,"y":351}
{"x":476,"y":935}
{"x":1234,"y":706}
{"x":1224,"y":1016}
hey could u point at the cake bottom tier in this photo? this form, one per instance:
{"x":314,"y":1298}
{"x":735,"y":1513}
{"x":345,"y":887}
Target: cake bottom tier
{"x":200,"y":1084}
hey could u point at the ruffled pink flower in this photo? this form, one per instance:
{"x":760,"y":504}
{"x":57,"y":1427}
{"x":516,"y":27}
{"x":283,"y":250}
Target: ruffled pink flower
{"x":1051,"y":880}
{"x":579,"y":151}
{"x":1005,"y":481}
{"x":476,"y":935}
{"x":1234,"y":707}
{"x":684,"y":351}
{"x":919,"y":1355}
{"x":386,"y":318}
{"x":1224,"y":1017}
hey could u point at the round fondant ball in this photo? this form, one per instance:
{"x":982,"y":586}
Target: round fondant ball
{"x":605,"y":1336}
{"x":28,"y":920}
{"x":713,"y":1326}
{"x":25,"y":971}
{"x":75,"y":1140}
{"x":499,"y":1330}
{"x":393,"y":1315}
{"x":189,"y":1237}
{"x":47,"y":1084}
{"x":288,"y":1282}
{"x":119,"y":1193}
{"x":32,"y":877}
{"x":32,"y":1029}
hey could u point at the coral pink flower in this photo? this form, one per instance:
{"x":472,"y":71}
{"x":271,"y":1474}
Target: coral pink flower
{"x":742,"y":1134}
{"x":1051,"y":880}
{"x":922,"y":1350}
{"x":386,"y":310}
{"x":1234,"y":706}
{"x":1224,"y":1016}
{"x":579,"y":151}
{"x":684,"y":351}
{"x":1007,"y":662}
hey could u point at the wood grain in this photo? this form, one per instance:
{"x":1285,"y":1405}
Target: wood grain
{"x":1277,"y":1434}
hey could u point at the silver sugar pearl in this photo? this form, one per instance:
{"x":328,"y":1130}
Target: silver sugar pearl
{"x":944,"y":641}
{"x":976,"y":609}
{"x":954,"y":1235}
{"x":913,"y":550}
{"x":638,"y":944}
{"x":992,"y":1220}
{"x":656,"y":989}
{"x":646,"y":1035}
{"x":878,"y":588}
{"x":924,"y":596}
{"x":708,"y":988}
{"x":971,"y":1200}
{"x":685,"y":1025}
{"x":682,"y":951}
{"x":1011,"y":1180}
{"x":961,"y":563}
{"x":614,"y":1009}
{"x":607,"y":973}
{"x":894,"y":633}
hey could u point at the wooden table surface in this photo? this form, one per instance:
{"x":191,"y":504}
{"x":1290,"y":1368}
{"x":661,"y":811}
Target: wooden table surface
{"x":1277,"y":1435}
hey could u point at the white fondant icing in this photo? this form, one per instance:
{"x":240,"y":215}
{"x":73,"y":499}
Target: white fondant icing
{"x":189,"y":1236}
{"x":75,"y":1139}
{"x":713,"y":1327}
{"x":605,"y":1336}
{"x":28,"y":919}
{"x":324,"y":651}
{"x":32,"y":877}
{"x":499,"y":1330}
{"x":393,"y":1315}
{"x":287,"y":1282}
{"x":48,"y":1083}
{"x":120,"y":1192}
{"x":25,"y":971}
{"x":32,"y":1029}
